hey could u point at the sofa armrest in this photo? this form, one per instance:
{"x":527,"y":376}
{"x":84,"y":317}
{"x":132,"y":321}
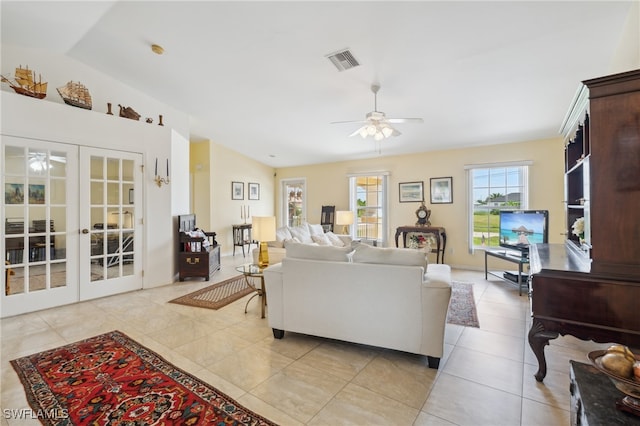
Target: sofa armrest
{"x":437,"y":275}
{"x":273,"y":282}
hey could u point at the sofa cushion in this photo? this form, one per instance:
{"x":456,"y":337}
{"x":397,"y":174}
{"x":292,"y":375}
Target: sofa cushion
{"x":321,"y":239}
{"x":302,"y":233}
{"x":389,"y":256}
{"x":334,"y":239}
{"x":317,"y":252}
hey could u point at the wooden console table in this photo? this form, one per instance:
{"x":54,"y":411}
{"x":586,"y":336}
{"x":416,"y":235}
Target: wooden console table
{"x":438,"y":232}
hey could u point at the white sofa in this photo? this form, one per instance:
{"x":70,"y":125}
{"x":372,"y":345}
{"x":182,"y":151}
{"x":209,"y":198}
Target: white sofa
{"x":306,"y":234}
{"x":373,"y":296}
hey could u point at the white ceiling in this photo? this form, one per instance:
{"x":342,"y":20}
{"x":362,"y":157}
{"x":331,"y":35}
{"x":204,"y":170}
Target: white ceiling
{"x":253,"y":76}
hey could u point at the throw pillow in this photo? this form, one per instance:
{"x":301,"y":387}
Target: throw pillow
{"x":389,"y":256}
{"x":316,"y":229}
{"x":283,"y":234}
{"x":301,"y":233}
{"x":321,"y":239}
{"x":334,"y":239}
{"x":313,"y":252}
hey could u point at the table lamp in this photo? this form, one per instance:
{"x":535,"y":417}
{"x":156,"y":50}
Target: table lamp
{"x":263,"y":229}
{"x":345,"y":218}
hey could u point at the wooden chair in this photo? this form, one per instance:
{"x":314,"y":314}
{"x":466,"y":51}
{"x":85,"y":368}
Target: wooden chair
{"x":327,"y":218}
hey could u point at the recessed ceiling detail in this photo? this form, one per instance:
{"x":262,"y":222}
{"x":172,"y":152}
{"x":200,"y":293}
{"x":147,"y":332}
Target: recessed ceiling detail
{"x":343,"y":60}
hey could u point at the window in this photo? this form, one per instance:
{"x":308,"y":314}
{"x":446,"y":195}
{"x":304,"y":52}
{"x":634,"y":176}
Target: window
{"x":493,"y":188}
{"x":368,"y":194}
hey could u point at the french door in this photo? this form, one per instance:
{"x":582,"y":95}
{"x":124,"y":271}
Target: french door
{"x":110,"y":222}
{"x":62,"y":245}
{"x":294,"y":205}
{"x":39,"y":182}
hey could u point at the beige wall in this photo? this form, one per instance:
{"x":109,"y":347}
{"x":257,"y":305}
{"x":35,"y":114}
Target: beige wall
{"x":327,"y":184}
{"x":223,"y":166}
{"x":199,"y":171}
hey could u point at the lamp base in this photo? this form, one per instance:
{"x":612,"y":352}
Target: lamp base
{"x":263,"y":256}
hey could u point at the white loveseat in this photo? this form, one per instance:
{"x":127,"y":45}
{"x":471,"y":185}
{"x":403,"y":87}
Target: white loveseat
{"x":374,"y":296}
{"x":305,"y":233}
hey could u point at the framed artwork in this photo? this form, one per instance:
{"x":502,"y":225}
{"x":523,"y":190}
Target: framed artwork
{"x":13,"y":193}
{"x":36,"y":194}
{"x":237,"y":190}
{"x":254,"y":191}
{"x":441,"y":190}
{"x":411,"y":192}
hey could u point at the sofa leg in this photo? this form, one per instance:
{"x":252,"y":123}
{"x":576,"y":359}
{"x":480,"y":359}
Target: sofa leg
{"x":278,"y":334}
{"x":433,"y":362}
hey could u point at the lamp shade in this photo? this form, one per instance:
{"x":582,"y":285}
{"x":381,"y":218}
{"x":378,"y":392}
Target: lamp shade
{"x":344,"y":217}
{"x":263,"y":228}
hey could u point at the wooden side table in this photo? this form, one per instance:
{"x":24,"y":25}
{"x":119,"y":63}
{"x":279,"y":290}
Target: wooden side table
{"x":242,"y":237}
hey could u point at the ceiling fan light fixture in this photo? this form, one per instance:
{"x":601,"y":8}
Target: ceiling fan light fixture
{"x":372,"y":129}
{"x":387,"y":131}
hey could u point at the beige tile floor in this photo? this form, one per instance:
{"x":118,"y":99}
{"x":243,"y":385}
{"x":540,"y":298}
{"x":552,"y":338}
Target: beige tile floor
{"x":485,"y":376}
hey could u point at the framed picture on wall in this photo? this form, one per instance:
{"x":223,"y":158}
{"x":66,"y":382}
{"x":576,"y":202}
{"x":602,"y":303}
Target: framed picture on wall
{"x":254,"y":191}
{"x":441,"y":190}
{"x":411,"y":192}
{"x":237,"y":190}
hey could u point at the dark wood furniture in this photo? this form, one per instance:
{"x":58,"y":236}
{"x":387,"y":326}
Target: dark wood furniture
{"x":194,"y":259}
{"x":519,"y":277}
{"x":591,"y":291}
{"x":327,"y":218}
{"x":242,"y":237}
{"x":594,"y":397}
{"x":439,"y":233}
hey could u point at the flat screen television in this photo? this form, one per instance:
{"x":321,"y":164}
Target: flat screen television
{"x":520,"y":228}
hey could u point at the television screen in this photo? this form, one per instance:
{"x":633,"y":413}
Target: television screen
{"x":520,"y":228}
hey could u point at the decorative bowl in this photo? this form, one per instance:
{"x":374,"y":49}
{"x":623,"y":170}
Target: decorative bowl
{"x":630,"y":386}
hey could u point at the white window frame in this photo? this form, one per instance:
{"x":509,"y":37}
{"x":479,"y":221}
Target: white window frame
{"x":524,"y":195}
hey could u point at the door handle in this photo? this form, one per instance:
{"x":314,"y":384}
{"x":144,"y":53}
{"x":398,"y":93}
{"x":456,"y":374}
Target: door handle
{"x":85,"y":231}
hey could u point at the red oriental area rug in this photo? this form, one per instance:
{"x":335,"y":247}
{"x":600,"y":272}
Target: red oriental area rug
{"x":112,"y":380}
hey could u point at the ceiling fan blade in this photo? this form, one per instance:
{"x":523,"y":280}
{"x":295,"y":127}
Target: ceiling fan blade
{"x":357,"y":132}
{"x":348,"y":122}
{"x":405,"y":120}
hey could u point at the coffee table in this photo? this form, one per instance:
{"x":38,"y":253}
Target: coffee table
{"x":253,"y":270}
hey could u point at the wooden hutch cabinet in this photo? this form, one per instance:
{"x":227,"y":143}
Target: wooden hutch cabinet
{"x":591,"y":289}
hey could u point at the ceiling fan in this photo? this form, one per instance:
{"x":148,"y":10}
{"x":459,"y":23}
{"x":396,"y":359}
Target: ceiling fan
{"x":376,"y":124}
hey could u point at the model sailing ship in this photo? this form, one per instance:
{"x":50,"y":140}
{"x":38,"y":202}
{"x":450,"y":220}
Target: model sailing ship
{"x":25,"y":83}
{"x":75,"y":94}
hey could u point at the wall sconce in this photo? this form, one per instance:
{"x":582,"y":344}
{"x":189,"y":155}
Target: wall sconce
{"x":160,"y":180}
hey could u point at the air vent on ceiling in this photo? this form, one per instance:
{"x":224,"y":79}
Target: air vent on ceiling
{"x":343,"y":60}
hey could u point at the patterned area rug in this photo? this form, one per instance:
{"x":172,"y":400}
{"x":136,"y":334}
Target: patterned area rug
{"x":112,"y":380}
{"x":217,"y":295}
{"x":462,"y":307}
